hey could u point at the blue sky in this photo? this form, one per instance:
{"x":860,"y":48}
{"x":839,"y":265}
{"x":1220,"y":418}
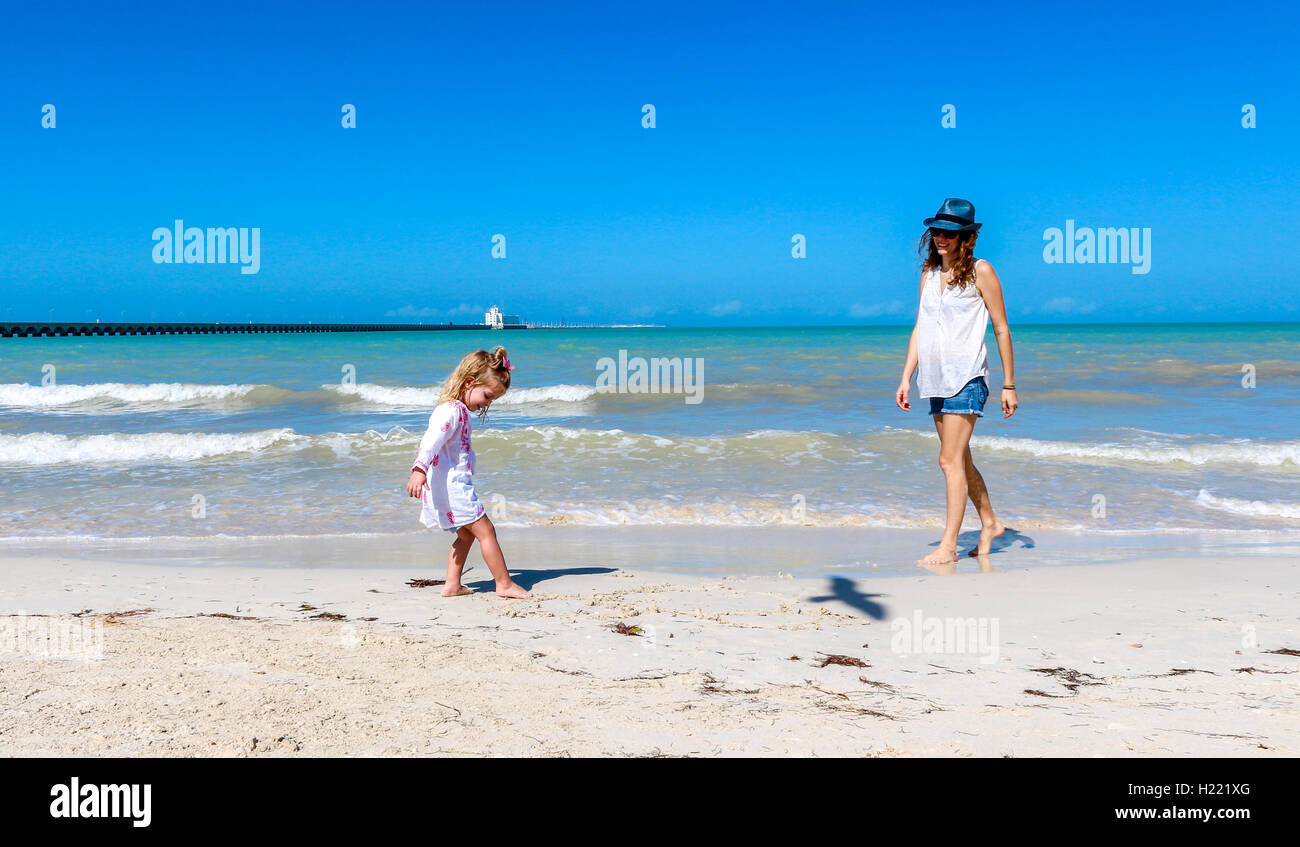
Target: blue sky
{"x":525,"y":119}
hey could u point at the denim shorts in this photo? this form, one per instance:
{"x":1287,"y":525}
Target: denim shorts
{"x":969,"y":401}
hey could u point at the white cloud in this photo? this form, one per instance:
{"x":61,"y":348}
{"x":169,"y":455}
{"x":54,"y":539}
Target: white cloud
{"x":875,"y":310}
{"x":1068,"y":306}
{"x":730,"y":307}
{"x":409,"y":311}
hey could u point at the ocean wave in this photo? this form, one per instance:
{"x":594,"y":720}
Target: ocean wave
{"x":509,"y":446}
{"x":783,"y":447}
{"x":547,"y":394}
{"x":70,"y":538}
{"x":504,"y":446}
{"x":1259,"y":454}
{"x":1250,"y":508}
{"x":45,"y":448}
{"x":385,"y":396}
{"x":103,"y":396}
{"x":110,"y":397}
{"x":413,"y":397}
{"x":747,"y":511}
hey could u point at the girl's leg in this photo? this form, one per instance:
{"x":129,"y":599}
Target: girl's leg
{"x":954,"y":438}
{"x":456,"y":563}
{"x":486,"y":534}
{"x":990,"y":526}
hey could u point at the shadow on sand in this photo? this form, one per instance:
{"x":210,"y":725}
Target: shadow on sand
{"x":528,"y":579}
{"x":844,"y":590}
{"x":1011,"y":538}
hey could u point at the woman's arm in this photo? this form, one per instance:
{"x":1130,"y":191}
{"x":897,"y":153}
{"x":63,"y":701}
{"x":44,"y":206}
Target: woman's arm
{"x":990,"y":288}
{"x":909,"y":364}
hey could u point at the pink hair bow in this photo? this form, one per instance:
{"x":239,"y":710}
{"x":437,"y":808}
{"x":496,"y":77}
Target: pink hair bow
{"x":505,"y":361}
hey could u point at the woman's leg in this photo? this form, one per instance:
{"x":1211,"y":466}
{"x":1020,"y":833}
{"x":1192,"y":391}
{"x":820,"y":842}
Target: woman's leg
{"x":954,"y":438}
{"x":990,"y":526}
{"x":486,"y":534}
{"x":456,"y":563}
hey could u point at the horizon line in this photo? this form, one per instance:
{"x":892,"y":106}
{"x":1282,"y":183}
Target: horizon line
{"x":545,"y":325}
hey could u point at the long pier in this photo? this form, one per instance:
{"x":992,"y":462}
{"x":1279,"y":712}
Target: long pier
{"x":55,"y":328}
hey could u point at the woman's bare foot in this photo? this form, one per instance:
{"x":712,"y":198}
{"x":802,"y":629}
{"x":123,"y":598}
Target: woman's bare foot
{"x":987,"y":534}
{"x":513,"y":591}
{"x":456,"y":590}
{"x":941,"y":569}
{"x":946,"y":554}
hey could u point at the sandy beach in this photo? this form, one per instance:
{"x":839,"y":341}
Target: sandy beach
{"x":1159,"y":655}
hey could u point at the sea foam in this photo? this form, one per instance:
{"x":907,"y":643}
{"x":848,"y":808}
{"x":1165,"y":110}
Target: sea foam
{"x":101,"y":394}
{"x":45,"y":448}
{"x":414,"y":397}
{"x":1260,"y":454}
{"x":1250,"y":508}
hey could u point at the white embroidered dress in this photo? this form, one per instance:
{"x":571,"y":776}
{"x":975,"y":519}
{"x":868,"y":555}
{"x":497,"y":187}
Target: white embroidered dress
{"x":447,"y":459}
{"x":950,"y":327}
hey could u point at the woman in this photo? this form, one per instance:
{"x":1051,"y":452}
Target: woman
{"x":959,"y":294}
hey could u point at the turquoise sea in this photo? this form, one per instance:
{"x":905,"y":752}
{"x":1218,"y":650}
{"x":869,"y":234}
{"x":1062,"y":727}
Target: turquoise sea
{"x":1122,"y":428}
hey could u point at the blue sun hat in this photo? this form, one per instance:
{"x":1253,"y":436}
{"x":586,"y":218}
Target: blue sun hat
{"x":956,"y":215}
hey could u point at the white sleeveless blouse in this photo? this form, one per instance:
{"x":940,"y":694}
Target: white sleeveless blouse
{"x":950,"y":327}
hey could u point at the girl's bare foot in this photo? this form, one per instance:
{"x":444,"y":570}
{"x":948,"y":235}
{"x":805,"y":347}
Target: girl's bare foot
{"x":944,"y":555}
{"x":456,"y":590}
{"x":987,"y":534}
{"x":513,"y":591}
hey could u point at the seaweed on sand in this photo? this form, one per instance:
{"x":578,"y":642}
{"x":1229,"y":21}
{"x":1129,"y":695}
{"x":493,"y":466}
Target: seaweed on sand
{"x":113,"y":617}
{"x":1068,"y":677}
{"x":846,"y":661}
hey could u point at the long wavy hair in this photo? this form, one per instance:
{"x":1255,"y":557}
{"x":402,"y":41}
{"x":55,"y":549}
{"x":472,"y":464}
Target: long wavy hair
{"x":963,"y":260}
{"x":478,"y":367}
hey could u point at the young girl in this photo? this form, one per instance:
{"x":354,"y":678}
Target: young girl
{"x":959,"y":294}
{"x":443,"y":476}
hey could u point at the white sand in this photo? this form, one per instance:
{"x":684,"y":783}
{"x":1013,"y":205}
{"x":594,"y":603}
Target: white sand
{"x":712,"y":675}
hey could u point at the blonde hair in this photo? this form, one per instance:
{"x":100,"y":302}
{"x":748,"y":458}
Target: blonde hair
{"x":477,"y":367}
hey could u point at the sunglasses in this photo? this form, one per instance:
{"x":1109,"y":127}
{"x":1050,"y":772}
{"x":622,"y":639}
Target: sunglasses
{"x":946,"y":233}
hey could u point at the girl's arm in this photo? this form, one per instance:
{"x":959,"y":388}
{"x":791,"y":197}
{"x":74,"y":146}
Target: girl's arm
{"x":990,"y":288}
{"x":443,"y":424}
{"x":909,"y":364}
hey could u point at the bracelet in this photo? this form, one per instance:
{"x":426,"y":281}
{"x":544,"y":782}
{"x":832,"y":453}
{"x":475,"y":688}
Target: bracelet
{"x":1012,"y":386}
